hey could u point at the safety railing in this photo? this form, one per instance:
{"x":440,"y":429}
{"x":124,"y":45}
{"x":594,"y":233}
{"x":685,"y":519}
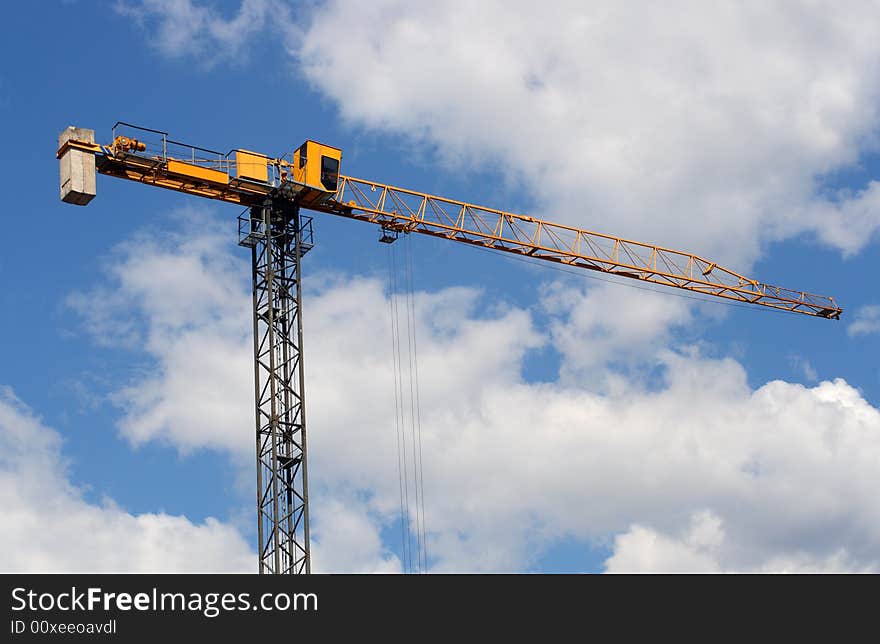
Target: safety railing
{"x":160,"y":147}
{"x":251,"y":229}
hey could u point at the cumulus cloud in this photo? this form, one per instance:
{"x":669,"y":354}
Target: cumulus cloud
{"x":781,"y":466}
{"x":711,"y":128}
{"x":867,"y":321}
{"x":703,"y":126}
{"x":699,"y":550}
{"x":348,"y":539}
{"x":803,"y":367}
{"x":641,"y":549}
{"x":186,"y":28}
{"x":592,"y":327}
{"x":49,"y":527}
{"x":183,"y":299}
{"x":785,"y":472}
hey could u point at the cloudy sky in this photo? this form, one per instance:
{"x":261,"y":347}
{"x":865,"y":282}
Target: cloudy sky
{"x":567,"y":423}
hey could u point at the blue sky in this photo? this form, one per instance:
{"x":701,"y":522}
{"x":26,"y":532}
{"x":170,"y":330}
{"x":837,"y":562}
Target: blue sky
{"x":595,"y":426}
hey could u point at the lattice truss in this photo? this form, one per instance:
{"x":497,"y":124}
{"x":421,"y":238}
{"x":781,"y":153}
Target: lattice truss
{"x":278,"y":244}
{"x":405,"y":210}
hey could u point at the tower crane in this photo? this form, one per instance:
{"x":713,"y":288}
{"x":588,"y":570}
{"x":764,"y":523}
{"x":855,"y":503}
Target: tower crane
{"x":273,"y":191}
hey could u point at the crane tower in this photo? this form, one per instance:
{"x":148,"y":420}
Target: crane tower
{"x":272,"y":192}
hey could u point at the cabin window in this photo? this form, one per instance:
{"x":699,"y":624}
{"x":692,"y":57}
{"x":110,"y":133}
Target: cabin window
{"x":329,"y":173}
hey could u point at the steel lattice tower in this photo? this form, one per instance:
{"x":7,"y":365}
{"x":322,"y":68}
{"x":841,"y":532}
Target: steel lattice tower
{"x":278,"y":237}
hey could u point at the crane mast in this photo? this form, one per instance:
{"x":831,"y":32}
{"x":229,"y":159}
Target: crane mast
{"x":272,"y":191}
{"x":278,"y":237}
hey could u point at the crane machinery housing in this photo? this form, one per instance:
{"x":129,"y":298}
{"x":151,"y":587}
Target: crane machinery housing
{"x":272,"y":191}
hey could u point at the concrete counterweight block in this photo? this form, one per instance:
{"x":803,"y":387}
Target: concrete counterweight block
{"x":77,"y":167}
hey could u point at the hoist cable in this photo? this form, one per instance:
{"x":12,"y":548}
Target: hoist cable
{"x":404,"y":449}
{"x":406,"y":288}
{"x":395,"y":371}
{"x":417,"y":423}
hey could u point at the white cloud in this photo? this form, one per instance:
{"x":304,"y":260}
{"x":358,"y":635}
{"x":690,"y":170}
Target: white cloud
{"x":867,"y":321}
{"x":708,"y":128}
{"x":182,"y":298}
{"x":348,"y":540}
{"x":186,"y":28}
{"x":609,"y":323}
{"x":510,"y":466}
{"x":49,"y":527}
{"x":700,"y":126}
{"x":803,"y":367}
{"x":784,"y":467}
{"x":642,"y":549}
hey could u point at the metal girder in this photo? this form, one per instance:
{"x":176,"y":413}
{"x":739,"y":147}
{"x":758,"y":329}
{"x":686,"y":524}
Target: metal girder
{"x":278,"y":237}
{"x":411,"y":211}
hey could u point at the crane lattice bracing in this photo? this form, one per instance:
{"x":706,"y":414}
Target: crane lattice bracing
{"x":273,"y":191}
{"x":278,"y":237}
{"x":409,"y":211}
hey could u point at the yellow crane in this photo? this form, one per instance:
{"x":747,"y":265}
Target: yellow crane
{"x":272,"y":190}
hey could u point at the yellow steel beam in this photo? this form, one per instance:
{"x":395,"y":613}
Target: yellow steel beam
{"x":196,"y":172}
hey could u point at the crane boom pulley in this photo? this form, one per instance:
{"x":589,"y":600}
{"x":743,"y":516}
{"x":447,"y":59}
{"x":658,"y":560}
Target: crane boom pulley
{"x":273,"y":190}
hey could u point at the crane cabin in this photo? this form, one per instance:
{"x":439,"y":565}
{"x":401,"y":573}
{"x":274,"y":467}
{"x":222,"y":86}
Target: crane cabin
{"x":312,"y":176}
{"x":316,"y":168}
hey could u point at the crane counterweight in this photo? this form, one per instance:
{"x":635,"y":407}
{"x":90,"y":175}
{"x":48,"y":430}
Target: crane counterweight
{"x":77,"y":166}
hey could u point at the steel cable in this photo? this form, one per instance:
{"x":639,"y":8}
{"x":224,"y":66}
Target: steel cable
{"x":416,"y":408}
{"x":404,"y":528}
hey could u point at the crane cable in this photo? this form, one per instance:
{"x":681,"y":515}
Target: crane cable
{"x":407,"y":421}
{"x":415,"y":411}
{"x":398,"y":415}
